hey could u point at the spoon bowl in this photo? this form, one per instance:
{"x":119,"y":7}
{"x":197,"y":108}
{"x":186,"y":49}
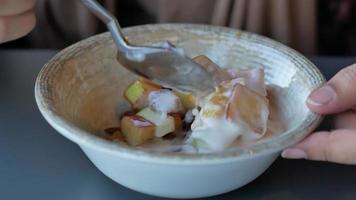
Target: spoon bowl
{"x":163,"y":64}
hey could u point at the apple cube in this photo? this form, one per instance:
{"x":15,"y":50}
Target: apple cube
{"x":215,"y":106}
{"x":219,"y":74}
{"x":137,"y":130}
{"x":208,"y":64}
{"x":164,"y":123}
{"x":178,"y":122}
{"x":137,"y":93}
{"x":250,"y":107}
{"x":188,"y":100}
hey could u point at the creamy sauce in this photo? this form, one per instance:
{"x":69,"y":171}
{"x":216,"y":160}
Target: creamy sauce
{"x":216,"y":135}
{"x":182,"y":143}
{"x":165,"y":101}
{"x":227,"y":117}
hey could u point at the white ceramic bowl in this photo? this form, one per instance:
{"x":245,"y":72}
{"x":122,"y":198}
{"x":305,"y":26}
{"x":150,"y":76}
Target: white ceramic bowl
{"x":79,"y":92}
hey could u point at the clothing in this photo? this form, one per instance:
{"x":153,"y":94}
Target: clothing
{"x":291,"y":22}
{"x":288,"y":21}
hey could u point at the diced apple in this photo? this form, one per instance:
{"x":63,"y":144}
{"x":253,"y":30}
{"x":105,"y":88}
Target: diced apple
{"x":208,"y":64}
{"x":164,"y":123}
{"x":151,"y":115}
{"x":137,"y":93}
{"x":215,"y":106}
{"x":212,"y":110}
{"x":166,"y":126}
{"x":178,"y":122}
{"x":219,"y":74}
{"x":137,"y":130}
{"x":249,"y":106}
{"x":254,"y":79}
{"x":188,"y":100}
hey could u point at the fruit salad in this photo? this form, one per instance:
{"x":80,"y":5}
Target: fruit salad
{"x":238,"y":109}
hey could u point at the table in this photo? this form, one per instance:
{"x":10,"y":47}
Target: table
{"x":38,"y":163}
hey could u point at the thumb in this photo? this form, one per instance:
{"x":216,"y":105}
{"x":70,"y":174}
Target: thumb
{"x":338,"y":95}
{"x":336,"y":146}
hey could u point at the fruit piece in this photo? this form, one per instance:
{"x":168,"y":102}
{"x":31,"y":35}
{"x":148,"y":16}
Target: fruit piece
{"x":178,"y":122}
{"x":215,"y":106}
{"x":249,"y":107}
{"x":210,"y":109}
{"x":187,"y":99}
{"x":137,"y":93}
{"x":137,"y":130}
{"x":219,"y":74}
{"x":164,"y":123}
{"x":114,"y":133}
{"x":213,"y":110}
{"x":208,"y":64}
{"x":166,"y":126}
{"x":165,"y":101}
{"x":151,"y":115}
{"x":254,"y":79}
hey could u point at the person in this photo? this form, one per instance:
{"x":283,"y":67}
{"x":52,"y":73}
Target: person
{"x":337,"y":96}
{"x":17,"y":18}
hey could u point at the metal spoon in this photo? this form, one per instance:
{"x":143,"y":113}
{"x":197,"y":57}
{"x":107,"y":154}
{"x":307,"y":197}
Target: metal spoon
{"x":165,"y":64}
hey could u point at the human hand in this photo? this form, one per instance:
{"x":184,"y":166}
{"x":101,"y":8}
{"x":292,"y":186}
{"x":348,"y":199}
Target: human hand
{"x":337,"y":96}
{"x":17,"y":18}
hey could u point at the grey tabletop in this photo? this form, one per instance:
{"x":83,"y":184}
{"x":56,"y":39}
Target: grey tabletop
{"x":38,"y":163}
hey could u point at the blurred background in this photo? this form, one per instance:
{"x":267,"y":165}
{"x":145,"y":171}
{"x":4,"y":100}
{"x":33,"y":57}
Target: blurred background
{"x":313,"y":27}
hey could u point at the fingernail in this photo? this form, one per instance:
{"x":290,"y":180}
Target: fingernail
{"x":294,"y":154}
{"x":322,"y":96}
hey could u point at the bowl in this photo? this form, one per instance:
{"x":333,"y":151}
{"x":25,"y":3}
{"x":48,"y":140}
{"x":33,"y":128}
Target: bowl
{"x":80,"y":92}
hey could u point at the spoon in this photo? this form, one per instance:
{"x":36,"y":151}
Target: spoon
{"x":164,"y":64}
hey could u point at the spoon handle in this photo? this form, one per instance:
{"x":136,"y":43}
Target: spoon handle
{"x":110,"y":21}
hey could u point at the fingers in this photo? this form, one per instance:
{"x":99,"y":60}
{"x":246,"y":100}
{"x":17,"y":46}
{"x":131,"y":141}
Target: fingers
{"x":345,"y":120}
{"x":337,"y":146}
{"x":338,"y":95}
{"x":15,"y":7}
{"x":12,"y":27}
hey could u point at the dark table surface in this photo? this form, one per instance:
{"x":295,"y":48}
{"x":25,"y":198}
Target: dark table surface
{"x":38,"y":163}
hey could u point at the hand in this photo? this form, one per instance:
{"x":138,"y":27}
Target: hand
{"x":337,"y":96}
{"x":17,"y":18}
